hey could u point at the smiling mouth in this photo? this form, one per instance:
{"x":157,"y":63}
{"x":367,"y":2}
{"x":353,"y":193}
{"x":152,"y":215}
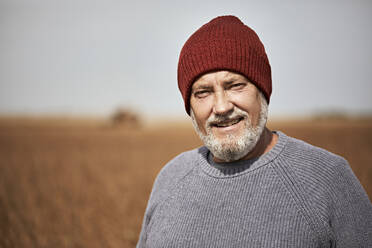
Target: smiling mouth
{"x":227,"y":123}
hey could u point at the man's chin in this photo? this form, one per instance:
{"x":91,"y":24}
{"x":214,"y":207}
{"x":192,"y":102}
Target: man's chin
{"x":227,"y":138}
{"x":228,"y":155}
{"x":232,"y":148}
{"x":228,"y":144}
{"x":227,"y":150}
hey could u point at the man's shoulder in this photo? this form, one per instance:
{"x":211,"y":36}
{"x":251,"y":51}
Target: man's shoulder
{"x":304,"y":152}
{"x":180,"y":166}
{"x":322,"y":184}
{"x":310,"y":162}
{"x":185,"y":160}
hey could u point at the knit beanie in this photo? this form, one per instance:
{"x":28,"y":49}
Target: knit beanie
{"x":224,"y":43}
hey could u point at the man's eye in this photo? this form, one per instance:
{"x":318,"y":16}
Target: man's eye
{"x":201,"y":93}
{"x":237,"y":86}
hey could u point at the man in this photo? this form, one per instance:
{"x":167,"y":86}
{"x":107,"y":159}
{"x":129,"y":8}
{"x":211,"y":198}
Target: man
{"x":248,"y":186}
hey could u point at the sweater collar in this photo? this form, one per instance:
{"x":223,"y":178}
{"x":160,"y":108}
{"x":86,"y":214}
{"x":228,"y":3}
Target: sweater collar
{"x":234,"y":169}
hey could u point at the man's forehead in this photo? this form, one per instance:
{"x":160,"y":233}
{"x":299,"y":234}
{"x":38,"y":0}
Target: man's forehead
{"x":217,"y":76}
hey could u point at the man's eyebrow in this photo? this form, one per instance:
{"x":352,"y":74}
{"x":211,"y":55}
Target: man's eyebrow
{"x":231,"y":80}
{"x":206,"y":87}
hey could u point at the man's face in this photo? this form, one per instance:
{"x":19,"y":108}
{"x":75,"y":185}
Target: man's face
{"x":229,"y":113}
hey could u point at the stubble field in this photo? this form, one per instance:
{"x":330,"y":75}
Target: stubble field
{"x":70,"y":183}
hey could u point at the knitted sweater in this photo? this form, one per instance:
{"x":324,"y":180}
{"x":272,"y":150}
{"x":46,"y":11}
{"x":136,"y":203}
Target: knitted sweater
{"x":296,"y":195}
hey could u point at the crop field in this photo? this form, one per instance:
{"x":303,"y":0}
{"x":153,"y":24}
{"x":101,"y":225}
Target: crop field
{"x":85,"y":183}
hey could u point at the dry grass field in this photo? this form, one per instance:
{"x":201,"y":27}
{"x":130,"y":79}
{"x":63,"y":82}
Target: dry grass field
{"x":69,"y":183}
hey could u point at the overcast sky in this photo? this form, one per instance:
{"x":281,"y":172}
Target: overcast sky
{"x":89,"y":57}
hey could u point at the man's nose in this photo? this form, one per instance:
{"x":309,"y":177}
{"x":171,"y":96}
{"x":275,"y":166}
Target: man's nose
{"x":222,"y":104}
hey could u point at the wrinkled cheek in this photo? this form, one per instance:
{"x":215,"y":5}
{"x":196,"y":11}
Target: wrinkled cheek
{"x":254,"y":119}
{"x":204,"y":129}
{"x":201,"y":127}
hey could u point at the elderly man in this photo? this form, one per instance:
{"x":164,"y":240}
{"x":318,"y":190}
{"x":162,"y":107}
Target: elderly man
{"x":248,"y":186}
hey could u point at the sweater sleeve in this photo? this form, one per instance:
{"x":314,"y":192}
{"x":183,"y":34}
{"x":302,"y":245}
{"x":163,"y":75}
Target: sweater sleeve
{"x":142,"y":238}
{"x":158,"y":193}
{"x":147,"y":217}
{"x":351,"y":211}
{"x":165,"y":182}
{"x":329,"y":194}
{"x":156,"y":196}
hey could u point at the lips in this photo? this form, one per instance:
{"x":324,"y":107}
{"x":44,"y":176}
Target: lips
{"x":227,"y":123}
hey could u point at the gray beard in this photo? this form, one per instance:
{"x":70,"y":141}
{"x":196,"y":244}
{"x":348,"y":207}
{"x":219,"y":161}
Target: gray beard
{"x":233,"y":147}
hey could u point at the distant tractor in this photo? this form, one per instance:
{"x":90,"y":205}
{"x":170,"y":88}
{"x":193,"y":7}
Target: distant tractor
{"x":125,"y":118}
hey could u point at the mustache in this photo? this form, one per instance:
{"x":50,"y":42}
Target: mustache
{"x":235,"y":114}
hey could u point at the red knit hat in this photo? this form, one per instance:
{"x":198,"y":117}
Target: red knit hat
{"x":224,"y":43}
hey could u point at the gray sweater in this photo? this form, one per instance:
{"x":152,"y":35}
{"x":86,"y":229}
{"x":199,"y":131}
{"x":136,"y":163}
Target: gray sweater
{"x":296,"y":195}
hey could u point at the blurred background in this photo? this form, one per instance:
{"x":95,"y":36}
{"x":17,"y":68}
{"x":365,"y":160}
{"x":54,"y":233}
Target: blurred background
{"x":90,"y":109}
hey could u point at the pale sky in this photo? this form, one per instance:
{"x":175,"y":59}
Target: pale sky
{"x":89,"y":57}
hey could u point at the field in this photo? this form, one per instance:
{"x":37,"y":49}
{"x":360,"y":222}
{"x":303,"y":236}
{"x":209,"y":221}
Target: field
{"x":85,"y":183}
